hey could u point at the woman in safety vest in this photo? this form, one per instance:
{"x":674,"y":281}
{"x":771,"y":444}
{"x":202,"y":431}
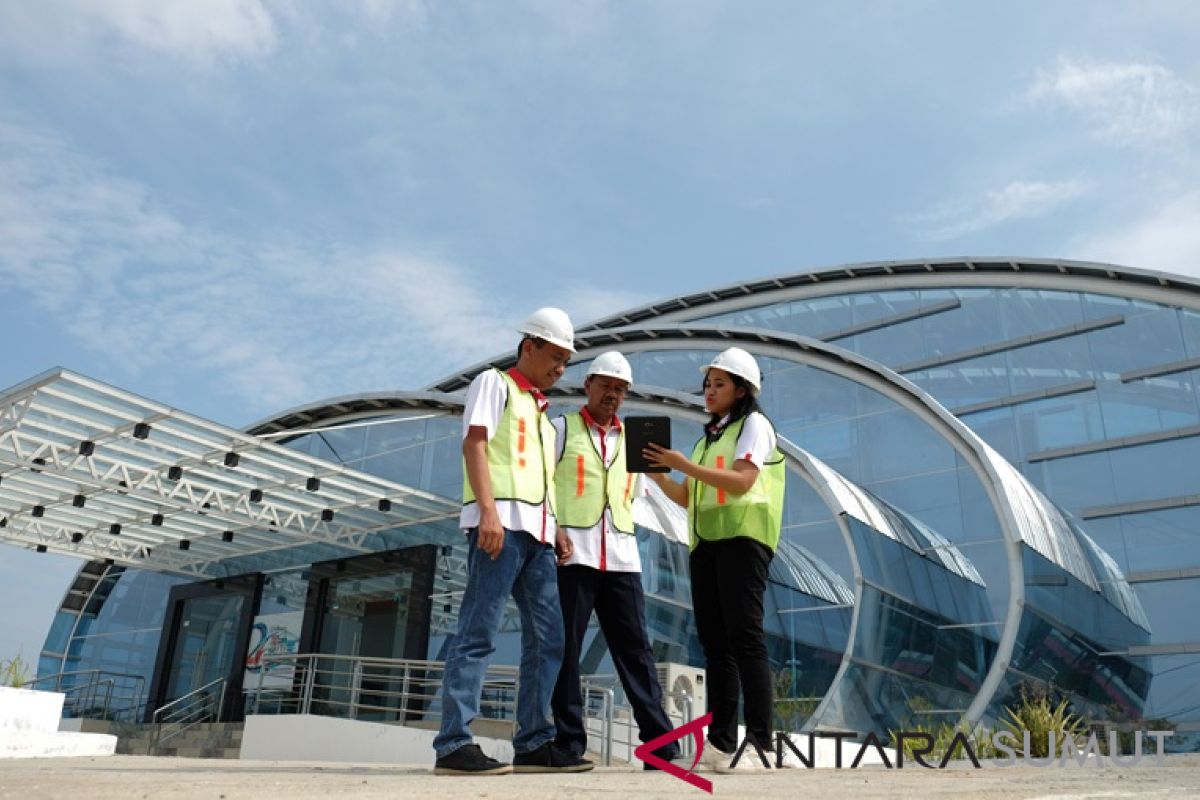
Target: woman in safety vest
{"x":733,"y":492}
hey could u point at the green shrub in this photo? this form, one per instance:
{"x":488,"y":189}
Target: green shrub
{"x":14,"y":672}
{"x":980,"y":740}
{"x":1039,"y":715}
{"x":791,"y":712}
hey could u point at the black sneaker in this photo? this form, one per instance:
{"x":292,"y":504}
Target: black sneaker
{"x":469,"y":760}
{"x":671,"y":755}
{"x":549,"y":758}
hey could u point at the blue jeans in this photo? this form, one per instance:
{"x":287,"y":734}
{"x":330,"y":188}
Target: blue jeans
{"x":525,"y":569}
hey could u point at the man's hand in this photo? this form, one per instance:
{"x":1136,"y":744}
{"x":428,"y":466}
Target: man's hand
{"x":491,"y":532}
{"x":563,"y":546}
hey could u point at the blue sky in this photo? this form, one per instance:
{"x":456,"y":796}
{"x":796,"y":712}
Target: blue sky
{"x":238,"y":206}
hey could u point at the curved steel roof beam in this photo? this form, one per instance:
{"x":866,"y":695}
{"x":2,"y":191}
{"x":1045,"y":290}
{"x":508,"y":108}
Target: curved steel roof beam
{"x":1023,"y":273}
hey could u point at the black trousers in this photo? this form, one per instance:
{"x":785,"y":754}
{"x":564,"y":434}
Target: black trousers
{"x":729,"y":581}
{"x":620,"y":607}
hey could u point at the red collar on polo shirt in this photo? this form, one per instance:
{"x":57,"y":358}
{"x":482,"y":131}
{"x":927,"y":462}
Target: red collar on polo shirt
{"x":590,"y":420}
{"x":525,"y":386}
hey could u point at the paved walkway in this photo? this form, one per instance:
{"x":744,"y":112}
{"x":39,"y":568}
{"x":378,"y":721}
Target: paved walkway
{"x":135,"y":777}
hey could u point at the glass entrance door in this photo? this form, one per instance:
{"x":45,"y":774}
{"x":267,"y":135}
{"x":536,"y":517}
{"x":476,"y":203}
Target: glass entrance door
{"x":204,"y":645}
{"x":205,"y":637}
{"x":369,"y":614}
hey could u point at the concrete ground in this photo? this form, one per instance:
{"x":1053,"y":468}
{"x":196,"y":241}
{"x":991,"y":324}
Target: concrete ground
{"x":135,"y":777}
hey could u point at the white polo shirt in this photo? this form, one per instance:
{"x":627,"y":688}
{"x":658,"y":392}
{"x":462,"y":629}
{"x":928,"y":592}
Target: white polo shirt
{"x":757,"y":440}
{"x":602,"y":546}
{"x":485,"y":405}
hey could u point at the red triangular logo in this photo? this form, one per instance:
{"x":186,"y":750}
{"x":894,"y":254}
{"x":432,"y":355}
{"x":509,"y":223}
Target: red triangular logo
{"x":696,"y":727}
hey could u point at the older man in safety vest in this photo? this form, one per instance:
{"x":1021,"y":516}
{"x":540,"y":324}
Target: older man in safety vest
{"x":601,"y":568}
{"x":508,"y":513}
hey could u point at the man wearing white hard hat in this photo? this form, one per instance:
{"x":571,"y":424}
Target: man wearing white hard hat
{"x":733,"y":492}
{"x":601,"y":568}
{"x":509,"y":516}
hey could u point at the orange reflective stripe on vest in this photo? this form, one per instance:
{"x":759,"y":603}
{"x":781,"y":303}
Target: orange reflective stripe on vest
{"x":720,"y":492}
{"x":521,"y":442}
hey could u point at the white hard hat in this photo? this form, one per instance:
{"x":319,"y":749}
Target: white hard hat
{"x":612,"y":364}
{"x":551,"y":324}
{"x":737,"y":361}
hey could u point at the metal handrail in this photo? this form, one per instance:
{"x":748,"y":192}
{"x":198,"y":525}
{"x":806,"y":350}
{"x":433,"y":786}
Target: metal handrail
{"x":400,"y":690}
{"x":58,"y":676}
{"x":603,"y":687}
{"x":189,"y":696}
{"x":187,"y":712}
{"x":84,"y":694}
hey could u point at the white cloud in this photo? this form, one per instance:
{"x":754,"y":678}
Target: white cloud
{"x":1017,"y":200}
{"x":412,"y":12}
{"x":589,"y":302}
{"x":1125,"y":104}
{"x":274,"y":323}
{"x":199,"y":32}
{"x":60,"y":31}
{"x":1167,"y":239}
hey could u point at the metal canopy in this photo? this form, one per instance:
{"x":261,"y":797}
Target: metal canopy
{"x":96,"y":472}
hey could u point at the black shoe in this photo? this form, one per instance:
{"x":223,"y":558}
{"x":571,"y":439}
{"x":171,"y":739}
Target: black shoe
{"x":469,"y":760}
{"x":670,"y":755}
{"x":549,"y":758}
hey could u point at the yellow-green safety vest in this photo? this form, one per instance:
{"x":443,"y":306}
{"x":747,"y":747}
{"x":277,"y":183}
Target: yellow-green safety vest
{"x":521,"y":453}
{"x":715,"y":514}
{"x":584,"y":487}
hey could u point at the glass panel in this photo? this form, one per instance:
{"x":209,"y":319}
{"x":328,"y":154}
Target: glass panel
{"x":1027,"y":310}
{"x":1189,"y":323}
{"x":60,"y":629}
{"x":1165,"y":602}
{"x":394,"y":450}
{"x":1150,"y":336}
{"x":806,"y":317}
{"x":964,"y":383}
{"x":204,"y":643}
{"x":1098,"y":306}
{"x":367,"y":616}
{"x":1100,"y":687}
{"x":1049,"y":364}
{"x":1059,"y":421}
{"x":1173,"y":695}
{"x":1138,"y":472}
{"x":998,"y":428}
{"x":1077,"y":482}
{"x":1157,"y":540}
{"x":1149,"y":405}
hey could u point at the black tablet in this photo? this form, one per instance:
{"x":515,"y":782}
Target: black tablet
{"x":641,"y":431}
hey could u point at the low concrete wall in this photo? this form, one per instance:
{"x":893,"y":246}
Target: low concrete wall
{"x":24,"y":711}
{"x":29,"y":722}
{"x":306,"y":737}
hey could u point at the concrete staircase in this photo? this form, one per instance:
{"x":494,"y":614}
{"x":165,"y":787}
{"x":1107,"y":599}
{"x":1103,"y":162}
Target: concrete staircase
{"x":206,"y":740}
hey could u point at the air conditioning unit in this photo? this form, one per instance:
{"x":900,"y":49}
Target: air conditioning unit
{"x":680,"y":679}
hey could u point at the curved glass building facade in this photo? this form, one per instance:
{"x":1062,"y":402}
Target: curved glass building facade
{"x":992,"y":486}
